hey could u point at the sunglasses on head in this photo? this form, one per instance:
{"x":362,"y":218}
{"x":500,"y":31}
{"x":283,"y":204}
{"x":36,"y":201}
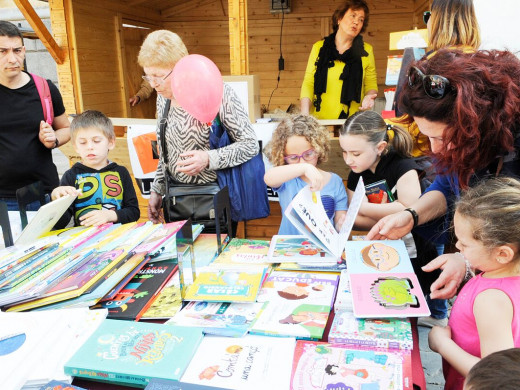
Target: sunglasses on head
{"x":426,"y":16}
{"x":435,"y":86}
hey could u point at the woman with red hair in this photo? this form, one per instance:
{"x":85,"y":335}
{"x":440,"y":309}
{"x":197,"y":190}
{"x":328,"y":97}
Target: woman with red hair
{"x":468,"y":105}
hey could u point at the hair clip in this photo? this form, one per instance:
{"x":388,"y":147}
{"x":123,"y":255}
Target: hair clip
{"x":388,"y":126}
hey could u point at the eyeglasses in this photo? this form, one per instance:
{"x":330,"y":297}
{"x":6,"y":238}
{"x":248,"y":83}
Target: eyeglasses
{"x":426,"y":16}
{"x":435,"y":86}
{"x":308,"y":155}
{"x":157,"y":80}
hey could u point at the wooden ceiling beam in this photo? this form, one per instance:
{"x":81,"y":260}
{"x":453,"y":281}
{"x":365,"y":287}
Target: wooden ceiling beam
{"x":238,"y":38}
{"x":41,"y":30}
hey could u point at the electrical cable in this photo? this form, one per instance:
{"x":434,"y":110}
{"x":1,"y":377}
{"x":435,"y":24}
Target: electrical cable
{"x":281,"y":63}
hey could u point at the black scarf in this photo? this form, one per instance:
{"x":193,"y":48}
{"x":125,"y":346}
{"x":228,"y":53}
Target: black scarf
{"x":352,"y":74}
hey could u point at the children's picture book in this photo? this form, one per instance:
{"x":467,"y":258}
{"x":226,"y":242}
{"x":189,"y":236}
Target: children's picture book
{"x":307,"y":214}
{"x":389,"y":333}
{"x":226,"y":284}
{"x":219,"y":318}
{"x":379,"y":192}
{"x":298,"y":304}
{"x":139,"y":293}
{"x":44,"y":220}
{"x":59,"y":385}
{"x":377,"y":257}
{"x":343,"y":299}
{"x":293,"y":248}
{"x":167,"y":303}
{"x":326,"y":366}
{"x":393,"y":67}
{"x":250,"y":362}
{"x":244,"y":251}
{"x":384,"y":295}
{"x":125,"y":352}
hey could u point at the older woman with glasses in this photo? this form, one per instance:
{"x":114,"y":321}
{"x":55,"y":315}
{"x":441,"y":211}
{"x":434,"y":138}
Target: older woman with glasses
{"x":190,"y":159}
{"x":468,"y":105}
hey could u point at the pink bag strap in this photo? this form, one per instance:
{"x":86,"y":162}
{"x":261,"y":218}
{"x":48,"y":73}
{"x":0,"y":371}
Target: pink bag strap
{"x":45,"y":96}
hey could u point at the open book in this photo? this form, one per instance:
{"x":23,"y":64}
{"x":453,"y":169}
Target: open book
{"x":319,"y":242}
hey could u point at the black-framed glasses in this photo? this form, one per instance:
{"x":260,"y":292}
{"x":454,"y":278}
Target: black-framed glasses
{"x":435,"y":86}
{"x":155,"y":79}
{"x":426,"y":16}
{"x":308,"y":155}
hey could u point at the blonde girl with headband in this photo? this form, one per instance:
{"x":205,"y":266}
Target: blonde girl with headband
{"x":378,"y":151}
{"x":485,"y":317}
{"x":298,"y":145}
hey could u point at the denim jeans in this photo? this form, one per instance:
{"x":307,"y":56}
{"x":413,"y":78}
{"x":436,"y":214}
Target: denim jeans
{"x":12,"y":203}
{"x":438,"y":307}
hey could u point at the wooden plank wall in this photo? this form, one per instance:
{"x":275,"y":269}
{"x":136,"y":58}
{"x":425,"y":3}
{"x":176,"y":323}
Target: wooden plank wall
{"x":205,"y":31}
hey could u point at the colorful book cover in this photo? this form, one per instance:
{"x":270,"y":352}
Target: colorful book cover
{"x":387,"y":295}
{"x":249,"y":362}
{"x":298,"y":304}
{"x":167,"y":303}
{"x":133,"y":352}
{"x":313,"y":267}
{"x":292,"y":248}
{"x":344,"y":295}
{"x":135,"y":298}
{"x":379,"y":192}
{"x":390,"y":333}
{"x":230,"y":319}
{"x":226,"y":284}
{"x":377,"y":257}
{"x":59,"y":385}
{"x":393,"y":67}
{"x":244,"y":251}
{"x":333,"y":366}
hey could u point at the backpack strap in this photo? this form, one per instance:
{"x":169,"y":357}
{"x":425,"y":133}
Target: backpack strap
{"x":45,"y":96}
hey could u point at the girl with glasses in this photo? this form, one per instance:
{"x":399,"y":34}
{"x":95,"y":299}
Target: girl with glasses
{"x":473,"y":127}
{"x":297,"y":146}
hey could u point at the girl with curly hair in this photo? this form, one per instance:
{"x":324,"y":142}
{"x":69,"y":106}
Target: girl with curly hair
{"x":297,"y":146}
{"x":468,"y":105}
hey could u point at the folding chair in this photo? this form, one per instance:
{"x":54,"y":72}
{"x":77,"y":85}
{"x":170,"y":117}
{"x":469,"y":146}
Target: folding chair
{"x":222,"y":215}
{"x":6,"y":226}
{"x":27,"y":195}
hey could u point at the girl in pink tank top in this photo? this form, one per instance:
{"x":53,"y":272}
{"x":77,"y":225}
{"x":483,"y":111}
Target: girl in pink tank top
{"x":485,"y":317}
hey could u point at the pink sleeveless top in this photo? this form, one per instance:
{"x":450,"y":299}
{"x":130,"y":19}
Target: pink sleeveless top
{"x":462,"y":321}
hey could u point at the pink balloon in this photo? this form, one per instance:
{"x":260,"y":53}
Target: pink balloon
{"x":198,"y":87}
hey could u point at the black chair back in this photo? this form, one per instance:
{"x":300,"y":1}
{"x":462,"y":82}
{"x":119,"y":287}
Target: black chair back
{"x":222,"y":215}
{"x":27,"y":195}
{"x":6,"y":226}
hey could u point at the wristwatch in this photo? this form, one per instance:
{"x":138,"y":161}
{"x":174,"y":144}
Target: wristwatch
{"x":414,"y":215}
{"x":56,"y":143}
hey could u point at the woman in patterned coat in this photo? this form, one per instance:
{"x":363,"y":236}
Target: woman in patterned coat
{"x":190,"y":159}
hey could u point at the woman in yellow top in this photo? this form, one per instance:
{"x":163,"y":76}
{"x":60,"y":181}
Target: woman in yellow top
{"x":340,"y":78}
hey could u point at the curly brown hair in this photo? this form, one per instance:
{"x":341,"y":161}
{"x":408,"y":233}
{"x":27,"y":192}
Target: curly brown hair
{"x":298,"y":125}
{"x":354,"y":5}
{"x":480,"y":111}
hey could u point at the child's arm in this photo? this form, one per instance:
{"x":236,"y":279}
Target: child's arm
{"x":276,"y":176}
{"x":493,"y":313}
{"x":408,"y":189}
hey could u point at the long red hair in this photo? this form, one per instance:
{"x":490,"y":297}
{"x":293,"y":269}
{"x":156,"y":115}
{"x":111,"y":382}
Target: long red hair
{"x":480,"y":112}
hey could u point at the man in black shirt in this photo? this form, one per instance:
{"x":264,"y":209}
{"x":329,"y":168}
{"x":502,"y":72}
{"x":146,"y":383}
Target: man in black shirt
{"x":26,"y":140}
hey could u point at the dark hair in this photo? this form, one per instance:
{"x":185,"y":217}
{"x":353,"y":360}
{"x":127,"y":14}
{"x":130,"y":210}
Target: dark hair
{"x":479,"y":112}
{"x":342,"y":10}
{"x":497,"y":371}
{"x":8,"y":29}
{"x":92,"y":118}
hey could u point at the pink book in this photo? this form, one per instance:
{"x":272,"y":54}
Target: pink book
{"x":387,"y":295}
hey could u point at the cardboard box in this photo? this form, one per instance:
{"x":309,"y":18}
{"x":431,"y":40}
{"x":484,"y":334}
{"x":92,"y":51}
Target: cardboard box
{"x":248,"y":89}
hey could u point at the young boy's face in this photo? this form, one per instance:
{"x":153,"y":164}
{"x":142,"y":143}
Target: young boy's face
{"x":93,"y":147}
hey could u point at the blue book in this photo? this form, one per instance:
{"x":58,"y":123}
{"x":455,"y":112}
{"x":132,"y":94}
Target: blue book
{"x":132,"y":353}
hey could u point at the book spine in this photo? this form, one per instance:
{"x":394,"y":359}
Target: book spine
{"x":106,"y":376}
{"x":375,"y":343}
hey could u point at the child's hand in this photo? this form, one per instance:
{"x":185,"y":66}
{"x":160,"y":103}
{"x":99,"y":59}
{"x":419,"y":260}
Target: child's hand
{"x":438,"y":336}
{"x":98,"y":217}
{"x":315,"y":177}
{"x":47,"y":135}
{"x":62,"y":191}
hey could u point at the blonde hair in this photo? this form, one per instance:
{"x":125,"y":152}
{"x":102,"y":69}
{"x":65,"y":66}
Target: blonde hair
{"x":298,"y":125}
{"x":493,"y":209}
{"x":161,"y":49}
{"x":95,"y":119}
{"x":453,"y":23}
{"x":372,"y":125}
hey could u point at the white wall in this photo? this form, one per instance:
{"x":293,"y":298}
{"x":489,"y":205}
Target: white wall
{"x":499,"y":22}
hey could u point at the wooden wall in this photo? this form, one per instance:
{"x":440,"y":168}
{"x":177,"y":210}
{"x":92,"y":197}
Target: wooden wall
{"x":204,"y":29}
